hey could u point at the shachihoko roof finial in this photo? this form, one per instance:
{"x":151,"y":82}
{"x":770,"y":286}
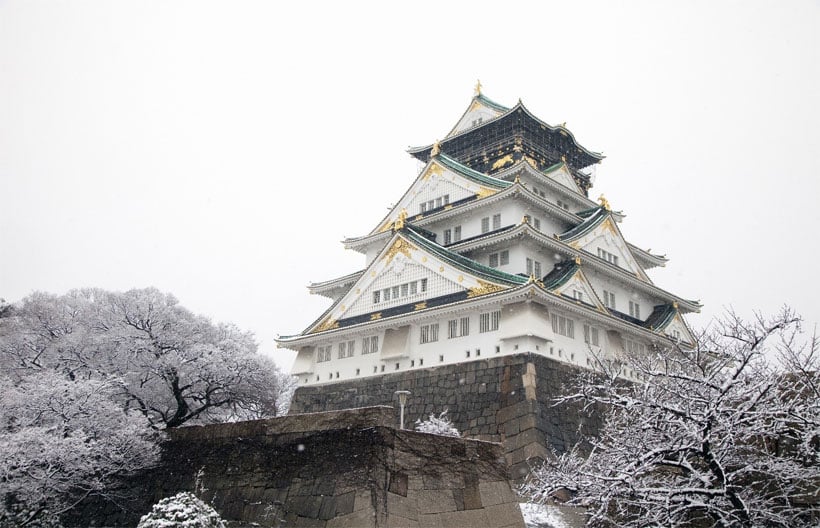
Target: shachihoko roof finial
{"x":604,"y":202}
{"x":478,"y":87}
{"x":436,"y":149}
{"x":578,"y":260}
{"x":400,"y":220}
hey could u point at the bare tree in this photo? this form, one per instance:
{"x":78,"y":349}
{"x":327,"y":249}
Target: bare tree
{"x":723,"y":434}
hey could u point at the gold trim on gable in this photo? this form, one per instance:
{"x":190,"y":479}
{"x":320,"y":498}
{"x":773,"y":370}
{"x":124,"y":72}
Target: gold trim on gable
{"x":483,"y":288}
{"x":327,"y":324}
{"x":399,"y":246}
{"x":434,"y":168}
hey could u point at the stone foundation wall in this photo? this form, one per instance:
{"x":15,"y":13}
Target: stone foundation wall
{"x":350,"y":468}
{"x":504,"y":399}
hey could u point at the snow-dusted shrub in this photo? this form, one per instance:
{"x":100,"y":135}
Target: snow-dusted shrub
{"x":439,"y":425}
{"x":183,"y":510}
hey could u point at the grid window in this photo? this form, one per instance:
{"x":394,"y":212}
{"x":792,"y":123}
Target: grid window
{"x":635,"y":310}
{"x":429,"y":333}
{"x":493,"y":260}
{"x":607,"y":256}
{"x":370,"y":345}
{"x":496,"y":221}
{"x":485,"y":225}
{"x":633,"y":347}
{"x":577,"y":295}
{"x":533,"y":267}
{"x":504,"y":257}
{"x":458,"y":327}
{"x":609,"y":300}
{"x":323,"y":353}
{"x":563,"y":325}
{"x":448,"y":236}
{"x":377,"y":296}
{"x":346,"y":349}
{"x":489,"y":322}
{"x":591,"y":335}
{"x":456,"y":233}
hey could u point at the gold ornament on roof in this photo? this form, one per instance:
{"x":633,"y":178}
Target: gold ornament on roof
{"x":400,"y":220}
{"x":483,"y":288}
{"x":675,"y":305}
{"x":436,"y":149}
{"x":478,"y":87}
{"x":578,"y":260}
{"x":604,"y":202}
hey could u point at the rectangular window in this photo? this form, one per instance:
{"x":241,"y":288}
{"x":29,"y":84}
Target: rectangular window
{"x":533,"y":268}
{"x":563,"y":325}
{"x":413,"y":287}
{"x":485,"y":225}
{"x":365,"y":345}
{"x":536,"y":223}
{"x":422,"y":208}
{"x":404,"y":289}
{"x":607,"y":256}
{"x":456,"y":233}
{"x":577,"y":295}
{"x":423,"y":285}
{"x":446,"y":199}
{"x":591,"y":335}
{"x":346,"y":349}
{"x":493,"y":260}
{"x":429,"y":333}
{"x":395,"y":292}
{"x":452,"y":328}
{"x":505,"y":257}
{"x":458,"y":327}
{"x":448,"y":236}
{"x":609,"y":299}
{"x":377,"y":296}
{"x":386,"y":294}
{"x":323,"y":353}
{"x":374,"y":344}
{"x":488,"y":322}
{"x":496,"y":221}
{"x":438,"y":202}
{"x":635,"y":310}
{"x":633,"y":347}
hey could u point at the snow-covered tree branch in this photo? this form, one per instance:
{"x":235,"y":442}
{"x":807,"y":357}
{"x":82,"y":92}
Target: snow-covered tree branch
{"x":724,"y":434}
{"x":89,"y":378}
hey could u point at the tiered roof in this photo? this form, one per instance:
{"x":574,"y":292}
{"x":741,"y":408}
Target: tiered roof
{"x":530,"y":148}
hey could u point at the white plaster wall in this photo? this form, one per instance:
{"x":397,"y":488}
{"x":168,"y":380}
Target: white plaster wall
{"x":517,"y":322}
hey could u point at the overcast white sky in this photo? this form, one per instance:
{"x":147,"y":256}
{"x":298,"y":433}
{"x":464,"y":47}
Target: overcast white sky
{"x":222,"y":150}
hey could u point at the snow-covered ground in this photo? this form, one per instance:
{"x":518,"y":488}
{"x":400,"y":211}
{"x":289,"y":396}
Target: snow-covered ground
{"x":543,"y":516}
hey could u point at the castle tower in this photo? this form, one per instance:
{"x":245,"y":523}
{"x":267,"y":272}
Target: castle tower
{"x":495,"y":248}
{"x":495,"y":256}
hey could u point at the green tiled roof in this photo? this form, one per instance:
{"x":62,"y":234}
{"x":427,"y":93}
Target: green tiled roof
{"x":474,"y":175}
{"x":593,"y":218}
{"x":492,"y":104}
{"x":660,"y":317}
{"x":560,"y":274}
{"x":461,"y":262}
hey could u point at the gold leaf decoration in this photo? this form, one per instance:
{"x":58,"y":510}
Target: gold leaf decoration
{"x":483,"y":288}
{"x":420,"y":306}
{"x":376,"y":316}
{"x":327,"y":324}
{"x":502,"y":161}
{"x":399,"y":246}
